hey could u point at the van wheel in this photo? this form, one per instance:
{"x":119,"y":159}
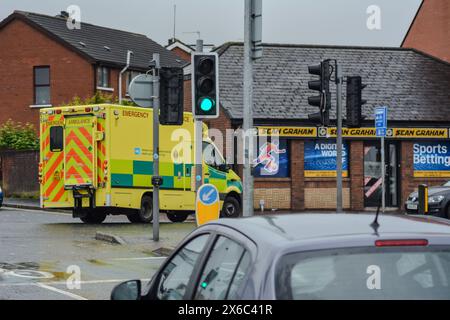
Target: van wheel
{"x":145,"y":214}
{"x":231,"y":208}
{"x":94,"y":217}
{"x":177,"y":217}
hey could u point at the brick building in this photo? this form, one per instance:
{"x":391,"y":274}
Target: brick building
{"x":415,"y":87}
{"x":43,"y":62}
{"x":430,"y":30}
{"x":181,"y":49}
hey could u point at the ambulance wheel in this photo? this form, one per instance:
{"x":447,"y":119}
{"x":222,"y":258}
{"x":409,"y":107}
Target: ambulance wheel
{"x":94,"y":217}
{"x":231,"y":208}
{"x":145,"y":214}
{"x":177,"y":217}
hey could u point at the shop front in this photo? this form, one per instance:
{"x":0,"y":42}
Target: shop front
{"x":298,"y":170}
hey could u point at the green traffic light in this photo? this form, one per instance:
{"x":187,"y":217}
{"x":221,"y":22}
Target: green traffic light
{"x":206,"y":104}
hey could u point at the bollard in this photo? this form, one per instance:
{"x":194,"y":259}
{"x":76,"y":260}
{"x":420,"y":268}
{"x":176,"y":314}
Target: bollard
{"x":423,"y":199}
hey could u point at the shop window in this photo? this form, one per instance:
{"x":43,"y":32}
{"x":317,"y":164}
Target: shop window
{"x":42,"y":86}
{"x":56,"y":139}
{"x":272,"y":159}
{"x":320,"y":159}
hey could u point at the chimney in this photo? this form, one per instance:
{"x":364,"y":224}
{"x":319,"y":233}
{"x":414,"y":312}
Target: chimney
{"x":63,"y":14}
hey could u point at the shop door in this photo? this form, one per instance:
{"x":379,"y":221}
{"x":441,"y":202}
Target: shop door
{"x":372,"y":174}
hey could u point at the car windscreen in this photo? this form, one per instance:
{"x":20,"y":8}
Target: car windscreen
{"x":365,"y":273}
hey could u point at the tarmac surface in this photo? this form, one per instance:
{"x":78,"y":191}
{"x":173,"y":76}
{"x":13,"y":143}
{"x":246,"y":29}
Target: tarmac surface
{"x":43,"y":253}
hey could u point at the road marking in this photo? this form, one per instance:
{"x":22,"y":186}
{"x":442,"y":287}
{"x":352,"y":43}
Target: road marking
{"x":138,"y":259}
{"x":66,"y":293}
{"x":56,"y":283}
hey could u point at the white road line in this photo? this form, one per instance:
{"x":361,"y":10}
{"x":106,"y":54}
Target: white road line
{"x":137,"y":259}
{"x":66,"y":293}
{"x":55,"y":283}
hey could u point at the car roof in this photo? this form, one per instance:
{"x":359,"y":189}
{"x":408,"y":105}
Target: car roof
{"x":279,"y":229}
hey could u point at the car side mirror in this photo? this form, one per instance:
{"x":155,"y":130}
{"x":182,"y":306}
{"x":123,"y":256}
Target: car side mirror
{"x":130,"y":290}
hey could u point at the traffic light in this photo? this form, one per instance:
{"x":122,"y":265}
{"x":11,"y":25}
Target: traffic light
{"x":323,"y":100}
{"x":172,"y":97}
{"x":205,"y":85}
{"x":354,"y":101}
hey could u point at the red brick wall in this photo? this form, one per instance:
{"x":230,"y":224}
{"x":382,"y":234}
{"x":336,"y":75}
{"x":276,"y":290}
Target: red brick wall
{"x":297,"y":174}
{"x":187,"y":96}
{"x":21,"y":48}
{"x":182,"y":54}
{"x":357,"y":175}
{"x":431,"y":30}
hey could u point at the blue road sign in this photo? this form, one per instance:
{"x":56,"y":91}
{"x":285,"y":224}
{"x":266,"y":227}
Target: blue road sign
{"x":208,"y":195}
{"x":381,"y":121}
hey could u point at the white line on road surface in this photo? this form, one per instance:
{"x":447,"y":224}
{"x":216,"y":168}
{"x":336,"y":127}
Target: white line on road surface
{"x":66,"y":293}
{"x":137,"y":259}
{"x":55,"y":283}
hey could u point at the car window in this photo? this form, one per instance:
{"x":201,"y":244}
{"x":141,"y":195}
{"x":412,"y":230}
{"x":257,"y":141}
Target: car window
{"x":220,"y":270}
{"x":175,"y":277}
{"x":366,"y":274}
{"x":239,"y":276}
{"x":209,"y":154}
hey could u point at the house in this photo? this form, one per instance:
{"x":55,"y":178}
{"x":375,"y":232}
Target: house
{"x":414,"y":86}
{"x":182,"y":50}
{"x":44,"y":63}
{"x":430,"y":30}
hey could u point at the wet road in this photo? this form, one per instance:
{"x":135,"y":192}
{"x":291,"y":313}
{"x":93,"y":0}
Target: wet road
{"x":42,"y":255}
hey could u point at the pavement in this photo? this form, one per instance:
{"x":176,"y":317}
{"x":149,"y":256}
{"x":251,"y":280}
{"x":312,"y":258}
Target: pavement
{"x":42,"y":253}
{"x":21,"y":203}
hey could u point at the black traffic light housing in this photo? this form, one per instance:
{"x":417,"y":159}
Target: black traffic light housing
{"x":355,"y":101}
{"x":323,"y":100}
{"x":205,"y":85}
{"x":172,"y":96}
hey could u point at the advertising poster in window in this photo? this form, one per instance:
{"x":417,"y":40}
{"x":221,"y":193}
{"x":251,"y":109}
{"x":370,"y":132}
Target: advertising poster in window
{"x":431,"y":159}
{"x":272,"y":160}
{"x":320,"y":159}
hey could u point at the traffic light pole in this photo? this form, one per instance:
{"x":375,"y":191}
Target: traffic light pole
{"x":156,"y":101}
{"x":248,"y":114}
{"x":339,"y":185}
{"x":198,"y":138}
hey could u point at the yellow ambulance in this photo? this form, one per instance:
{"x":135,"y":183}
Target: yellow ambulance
{"x":97,"y":160}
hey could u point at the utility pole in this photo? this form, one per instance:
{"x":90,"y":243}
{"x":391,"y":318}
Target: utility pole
{"x":248,"y":206}
{"x":198,"y":138}
{"x":339,"y":79}
{"x":252,"y":51}
{"x":156,"y":181}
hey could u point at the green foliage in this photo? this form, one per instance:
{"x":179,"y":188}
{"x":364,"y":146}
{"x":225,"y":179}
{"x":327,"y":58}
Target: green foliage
{"x":98,"y":98}
{"x":16,"y":136}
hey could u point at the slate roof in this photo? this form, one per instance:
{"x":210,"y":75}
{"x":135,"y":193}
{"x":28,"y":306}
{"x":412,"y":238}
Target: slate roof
{"x":96,"y":38}
{"x":414,"y":85}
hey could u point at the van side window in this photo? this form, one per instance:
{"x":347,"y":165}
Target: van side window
{"x":56,"y":139}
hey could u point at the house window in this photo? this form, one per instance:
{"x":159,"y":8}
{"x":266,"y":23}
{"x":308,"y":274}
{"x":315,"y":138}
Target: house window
{"x":103,"y":77}
{"x":130,"y":76}
{"x":42,"y":85}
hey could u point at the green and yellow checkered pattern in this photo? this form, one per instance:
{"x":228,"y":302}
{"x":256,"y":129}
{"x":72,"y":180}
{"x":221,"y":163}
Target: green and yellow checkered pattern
{"x":138,"y":174}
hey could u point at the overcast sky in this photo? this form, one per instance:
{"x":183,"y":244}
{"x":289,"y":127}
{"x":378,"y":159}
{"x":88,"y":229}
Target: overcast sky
{"x":284,"y":21}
